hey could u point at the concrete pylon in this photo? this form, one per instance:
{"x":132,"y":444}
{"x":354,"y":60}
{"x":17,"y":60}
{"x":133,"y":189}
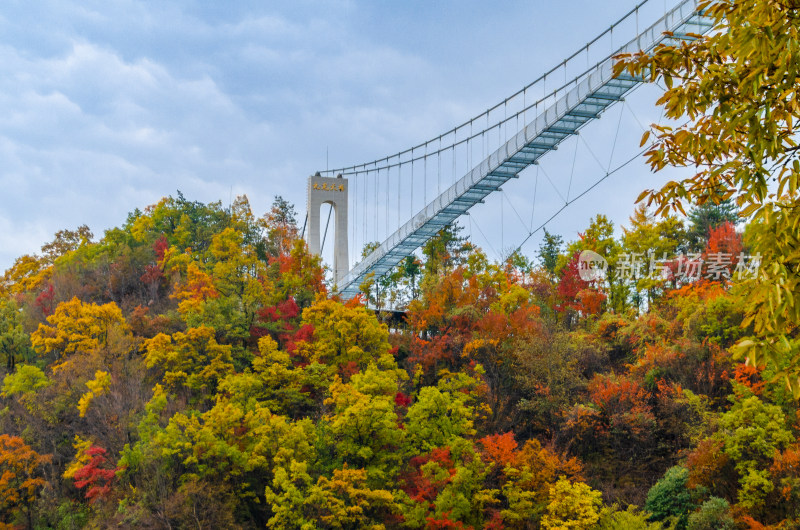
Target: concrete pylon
{"x":333,"y":191}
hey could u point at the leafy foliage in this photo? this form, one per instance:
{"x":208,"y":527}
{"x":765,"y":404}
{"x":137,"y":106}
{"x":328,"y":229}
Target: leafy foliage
{"x":20,"y":476}
{"x":670,"y":499}
{"x":737,"y":87}
{"x":96,"y":477}
{"x":572,"y":506}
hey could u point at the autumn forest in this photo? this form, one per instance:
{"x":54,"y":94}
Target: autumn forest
{"x":193,"y":368}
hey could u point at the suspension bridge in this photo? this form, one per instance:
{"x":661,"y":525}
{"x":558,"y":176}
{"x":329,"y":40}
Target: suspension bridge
{"x":420,"y":190}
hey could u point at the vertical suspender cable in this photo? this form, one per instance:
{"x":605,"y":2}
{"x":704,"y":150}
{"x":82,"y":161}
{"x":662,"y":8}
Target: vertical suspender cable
{"x":365,"y":215}
{"x":455,"y":163}
{"x":487,"y":136}
{"x":411,"y":191}
{"x":544,"y":87}
{"x":439,"y":167}
{"x":425,"y":172}
{"x":524,"y":106}
{"x":453,"y":151}
{"x":470,"y":145}
{"x":353,"y":197}
{"x":398,"y":191}
{"x":387,"y":199}
{"x":502,"y":226}
{"x":505,"y":120}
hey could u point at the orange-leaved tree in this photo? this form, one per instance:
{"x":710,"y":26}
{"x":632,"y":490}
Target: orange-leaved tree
{"x":20,"y":479}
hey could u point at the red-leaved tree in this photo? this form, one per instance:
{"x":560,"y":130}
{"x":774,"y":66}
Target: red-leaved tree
{"x":97,"y":476}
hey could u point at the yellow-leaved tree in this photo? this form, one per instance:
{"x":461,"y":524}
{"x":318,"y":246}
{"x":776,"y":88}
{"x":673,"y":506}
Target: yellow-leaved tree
{"x":192,"y":360}
{"x":79,"y":328}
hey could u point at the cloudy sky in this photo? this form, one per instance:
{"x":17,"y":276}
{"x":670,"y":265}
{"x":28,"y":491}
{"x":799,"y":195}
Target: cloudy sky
{"x":108,"y":105}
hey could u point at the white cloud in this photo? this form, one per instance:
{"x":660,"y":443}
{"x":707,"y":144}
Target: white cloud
{"x":108,"y":105}
{"x":81,"y":127}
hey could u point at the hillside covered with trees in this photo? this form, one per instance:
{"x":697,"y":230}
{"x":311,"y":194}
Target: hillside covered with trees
{"x":192,"y":368}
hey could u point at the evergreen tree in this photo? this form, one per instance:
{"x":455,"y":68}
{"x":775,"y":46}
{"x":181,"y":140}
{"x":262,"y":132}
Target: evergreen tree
{"x":549,"y":250}
{"x":704,"y":218}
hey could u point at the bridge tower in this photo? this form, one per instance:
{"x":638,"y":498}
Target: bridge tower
{"x":333,"y":191}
